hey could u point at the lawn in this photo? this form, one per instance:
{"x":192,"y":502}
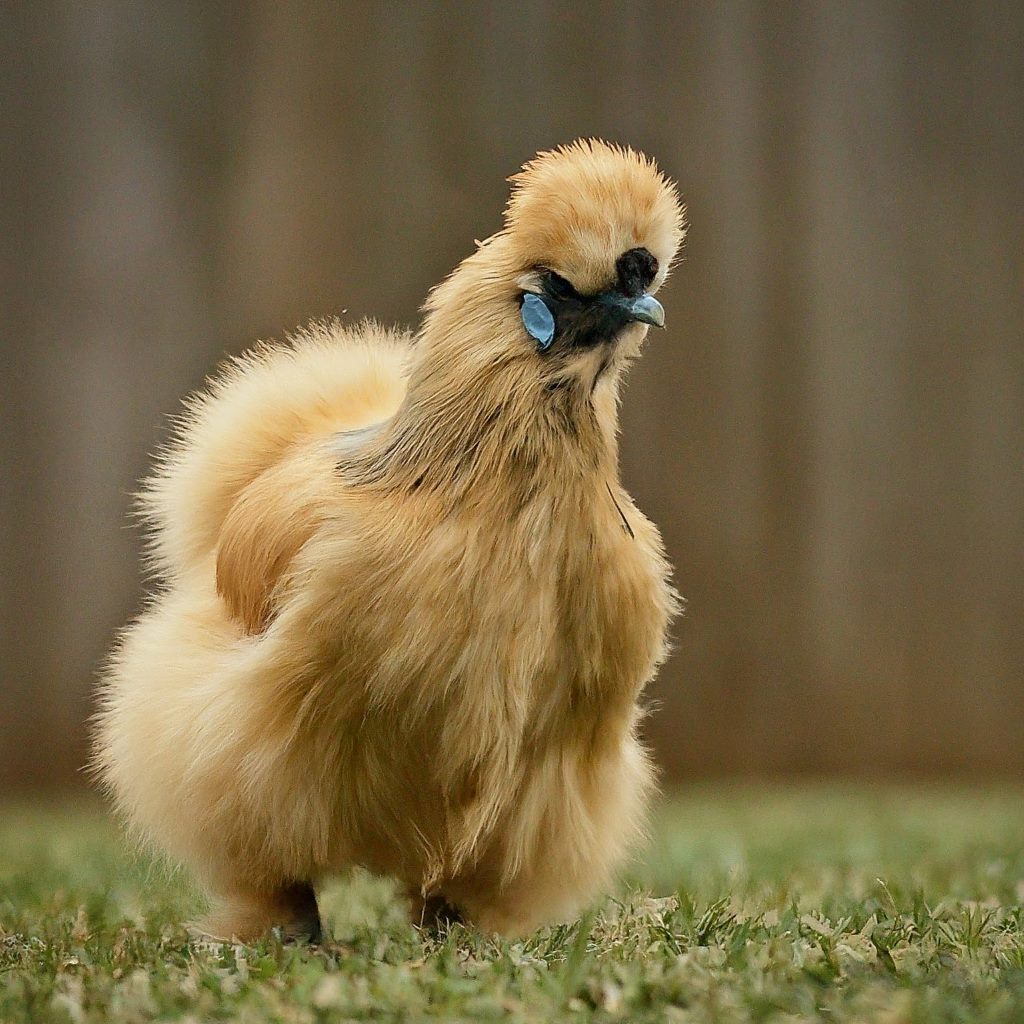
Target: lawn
{"x":764,"y":904}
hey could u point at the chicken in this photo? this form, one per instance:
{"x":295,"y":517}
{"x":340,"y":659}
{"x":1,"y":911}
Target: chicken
{"x":406,"y":609}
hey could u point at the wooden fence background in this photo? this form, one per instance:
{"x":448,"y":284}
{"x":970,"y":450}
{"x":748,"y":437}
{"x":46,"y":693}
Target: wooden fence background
{"x":831,"y":434}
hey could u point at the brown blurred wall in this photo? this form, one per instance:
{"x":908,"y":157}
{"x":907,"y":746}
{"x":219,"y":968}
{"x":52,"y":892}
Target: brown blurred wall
{"x":830,"y":434}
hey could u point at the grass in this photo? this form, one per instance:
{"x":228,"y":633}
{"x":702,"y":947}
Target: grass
{"x":760,"y":904}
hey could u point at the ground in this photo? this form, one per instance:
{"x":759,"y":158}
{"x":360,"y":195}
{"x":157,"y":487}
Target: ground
{"x":894,"y":904}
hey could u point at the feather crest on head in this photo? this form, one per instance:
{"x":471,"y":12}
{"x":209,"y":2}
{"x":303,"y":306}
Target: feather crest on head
{"x":578,"y":207}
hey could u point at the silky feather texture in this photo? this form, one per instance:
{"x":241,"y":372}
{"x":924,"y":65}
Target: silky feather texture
{"x":418,"y":647}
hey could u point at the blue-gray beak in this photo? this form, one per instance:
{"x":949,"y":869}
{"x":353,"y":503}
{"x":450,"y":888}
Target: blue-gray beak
{"x":648,"y":310}
{"x":645,"y":308}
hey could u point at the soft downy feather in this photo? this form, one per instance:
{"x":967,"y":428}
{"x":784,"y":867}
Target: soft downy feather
{"x":407,"y":609}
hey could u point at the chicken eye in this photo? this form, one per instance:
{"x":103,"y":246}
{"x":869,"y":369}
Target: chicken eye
{"x":558,"y":287}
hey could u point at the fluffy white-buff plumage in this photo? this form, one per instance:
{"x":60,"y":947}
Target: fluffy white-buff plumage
{"x":406,"y":610}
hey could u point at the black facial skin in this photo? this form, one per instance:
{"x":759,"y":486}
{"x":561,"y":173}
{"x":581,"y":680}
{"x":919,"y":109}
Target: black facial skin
{"x":584,"y":321}
{"x":636,"y":270}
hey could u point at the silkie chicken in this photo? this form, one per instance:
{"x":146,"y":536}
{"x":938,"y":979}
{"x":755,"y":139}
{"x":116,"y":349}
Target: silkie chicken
{"x":406,"y":608}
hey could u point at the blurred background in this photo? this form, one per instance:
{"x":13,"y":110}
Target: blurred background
{"x":830,"y":434}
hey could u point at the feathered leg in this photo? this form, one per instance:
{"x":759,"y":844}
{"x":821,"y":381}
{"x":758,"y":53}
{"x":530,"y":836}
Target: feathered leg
{"x":432,"y":912}
{"x":245,"y":915}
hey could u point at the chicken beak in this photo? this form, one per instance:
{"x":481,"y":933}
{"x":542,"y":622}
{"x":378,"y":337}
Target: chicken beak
{"x":648,"y":310}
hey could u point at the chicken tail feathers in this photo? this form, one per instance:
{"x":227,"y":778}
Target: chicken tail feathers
{"x":249,"y":415}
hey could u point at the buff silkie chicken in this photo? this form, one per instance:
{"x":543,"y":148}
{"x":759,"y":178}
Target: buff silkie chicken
{"x":406,"y":608}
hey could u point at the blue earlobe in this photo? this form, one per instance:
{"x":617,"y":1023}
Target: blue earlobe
{"x":538,"y":321}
